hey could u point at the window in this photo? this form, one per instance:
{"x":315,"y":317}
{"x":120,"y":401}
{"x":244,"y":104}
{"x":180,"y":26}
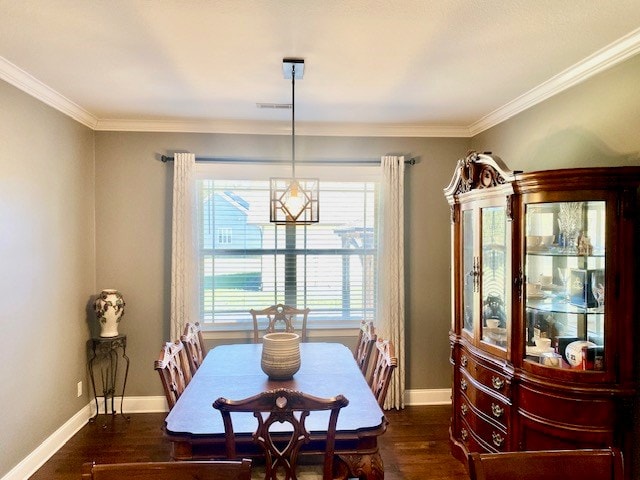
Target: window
{"x":224,"y":236}
{"x":329,"y":267}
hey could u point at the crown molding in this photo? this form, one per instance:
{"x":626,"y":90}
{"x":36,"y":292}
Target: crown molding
{"x":381,"y":130}
{"x":34,"y":87}
{"x":613,"y":54}
{"x":282,"y":128}
{"x":194,"y":126}
{"x":605,"y":58}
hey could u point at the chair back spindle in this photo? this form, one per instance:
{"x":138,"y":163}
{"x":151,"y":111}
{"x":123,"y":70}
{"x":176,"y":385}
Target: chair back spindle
{"x":276,"y":315}
{"x":366,"y":342}
{"x":386,"y":363}
{"x":173,"y":368}
{"x":194,"y":345}
{"x":282,"y":447}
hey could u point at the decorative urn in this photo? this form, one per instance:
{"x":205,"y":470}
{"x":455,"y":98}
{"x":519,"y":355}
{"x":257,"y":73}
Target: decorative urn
{"x":280,"y":355}
{"x":109,"y":308}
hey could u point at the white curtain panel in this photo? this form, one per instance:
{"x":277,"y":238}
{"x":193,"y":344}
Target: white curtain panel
{"x":390,"y":322}
{"x":183,"y":245}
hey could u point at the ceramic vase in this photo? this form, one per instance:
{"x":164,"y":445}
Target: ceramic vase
{"x":109,"y":308}
{"x":280,"y":355}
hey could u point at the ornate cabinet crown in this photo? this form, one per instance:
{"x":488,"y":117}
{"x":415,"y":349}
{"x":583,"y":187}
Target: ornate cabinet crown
{"x":478,"y":170}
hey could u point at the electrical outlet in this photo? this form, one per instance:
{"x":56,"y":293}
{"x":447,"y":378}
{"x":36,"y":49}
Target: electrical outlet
{"x":80,"y":388}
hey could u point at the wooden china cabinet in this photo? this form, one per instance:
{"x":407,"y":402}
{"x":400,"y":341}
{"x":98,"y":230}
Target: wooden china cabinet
{"x":544,"y":308}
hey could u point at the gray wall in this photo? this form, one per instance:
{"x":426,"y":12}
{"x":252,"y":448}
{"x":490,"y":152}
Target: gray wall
{"x":47,"y":272}
{"x":133,"y":234}
{"x":596,"y":123}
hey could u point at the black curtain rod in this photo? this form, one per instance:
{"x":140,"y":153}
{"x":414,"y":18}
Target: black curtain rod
{"x":365,"y":161}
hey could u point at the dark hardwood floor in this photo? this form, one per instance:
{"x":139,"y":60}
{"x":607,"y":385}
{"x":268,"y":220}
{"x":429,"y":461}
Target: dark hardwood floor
{"x":414,"y":447}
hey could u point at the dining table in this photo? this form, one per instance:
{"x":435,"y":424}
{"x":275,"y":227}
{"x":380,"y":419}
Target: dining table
{"x":196,"y":431}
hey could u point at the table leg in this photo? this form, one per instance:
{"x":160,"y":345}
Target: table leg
{"x":181,"y":451}
{"x":367,"y":466}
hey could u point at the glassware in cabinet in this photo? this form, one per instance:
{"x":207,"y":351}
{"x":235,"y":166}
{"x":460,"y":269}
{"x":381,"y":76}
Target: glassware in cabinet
{"x":564,"y":294}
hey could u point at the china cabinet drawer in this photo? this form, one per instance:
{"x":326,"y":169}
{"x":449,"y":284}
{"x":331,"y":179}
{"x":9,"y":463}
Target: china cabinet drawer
{"x":572,"y":410}
{"x":493,"y":380}
{"x":484,"y":433}
{"x":489,"y":405}
{"x":539,"y":434}
{"x":466,"y":436}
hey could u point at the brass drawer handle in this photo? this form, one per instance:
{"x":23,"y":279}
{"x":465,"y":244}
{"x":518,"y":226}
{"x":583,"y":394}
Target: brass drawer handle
{"x":463,"y":384}
{"x":497,"y":382}
{"x":464,"y":409}
{"x":497,"y":410}
{"x":464,"y":434}
{"x":498,"y":439}
{"x":463,"y":360}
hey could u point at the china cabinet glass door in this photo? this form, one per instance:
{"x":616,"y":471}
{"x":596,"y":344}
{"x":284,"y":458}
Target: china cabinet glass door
{"x":564,"y":293}
{"x":469,"y":271}
{"x":486,"y":274}
{"x":495,"y":276}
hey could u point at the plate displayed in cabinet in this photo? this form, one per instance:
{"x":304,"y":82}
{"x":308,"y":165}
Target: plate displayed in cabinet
{"x":534,"y":351}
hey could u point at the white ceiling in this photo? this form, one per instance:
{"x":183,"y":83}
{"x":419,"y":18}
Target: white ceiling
{"x":372,"y":67}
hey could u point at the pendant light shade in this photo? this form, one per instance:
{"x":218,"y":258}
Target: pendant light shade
{"x":294,"y":201}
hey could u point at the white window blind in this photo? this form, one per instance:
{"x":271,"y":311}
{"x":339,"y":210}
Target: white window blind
{"x":329,"y":267}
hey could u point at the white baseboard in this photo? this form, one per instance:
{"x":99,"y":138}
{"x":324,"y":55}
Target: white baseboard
{"x":155,"y":404}
{"x":440,"y":396}
{"x":145,"y":404}
{"x":149,"y":404}
{"x":46,"y":449}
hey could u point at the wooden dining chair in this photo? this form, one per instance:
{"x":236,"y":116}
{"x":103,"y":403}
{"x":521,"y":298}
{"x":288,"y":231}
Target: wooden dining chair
{"x":194,"y":345}
{"x":279,"y":314}
{"x":598,"y":464}
{"x":281,"y":447}
{"x":366,"y":342}
{"x":386,"y":362}
{"x":174,"y":370}
{"x":209,"y":470}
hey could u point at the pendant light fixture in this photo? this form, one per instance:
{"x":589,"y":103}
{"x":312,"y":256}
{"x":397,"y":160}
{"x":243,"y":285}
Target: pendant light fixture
{"x":294,"y":201}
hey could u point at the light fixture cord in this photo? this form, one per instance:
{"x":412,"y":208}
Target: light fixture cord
{"x":293,"y":120}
